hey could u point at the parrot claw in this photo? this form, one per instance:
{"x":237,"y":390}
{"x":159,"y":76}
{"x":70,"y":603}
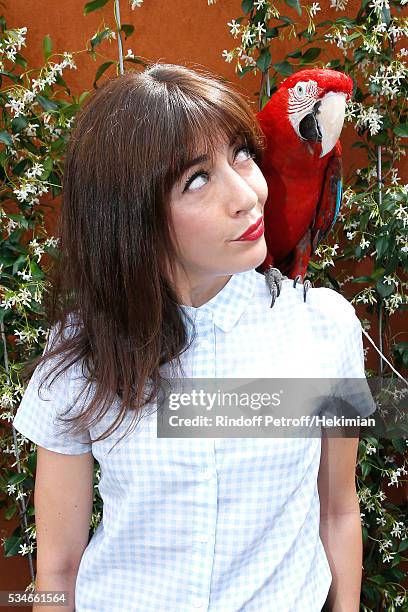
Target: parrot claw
{"x":306,"y":286}
{"x":274,"y":278}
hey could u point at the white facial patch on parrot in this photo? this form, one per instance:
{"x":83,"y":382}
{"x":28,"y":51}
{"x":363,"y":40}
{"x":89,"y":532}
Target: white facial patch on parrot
{"x":302,"y":98}
{"x":329,"y":114}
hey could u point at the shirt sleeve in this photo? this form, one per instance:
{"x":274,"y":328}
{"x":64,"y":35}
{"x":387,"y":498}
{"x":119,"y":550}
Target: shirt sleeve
{"x":344,"y":333}
{"x":37,"y":415}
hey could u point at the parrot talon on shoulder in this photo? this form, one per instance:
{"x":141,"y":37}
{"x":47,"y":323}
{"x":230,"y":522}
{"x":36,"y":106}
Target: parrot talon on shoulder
{"x":273,"y":279}
{"x":306,"y":286}
{"x":298,"y":278}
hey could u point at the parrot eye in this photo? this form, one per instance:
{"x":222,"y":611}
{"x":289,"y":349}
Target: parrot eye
{"x":300,"y":89}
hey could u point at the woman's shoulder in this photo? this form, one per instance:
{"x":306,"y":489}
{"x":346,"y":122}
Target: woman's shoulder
{"x":322,"y":302}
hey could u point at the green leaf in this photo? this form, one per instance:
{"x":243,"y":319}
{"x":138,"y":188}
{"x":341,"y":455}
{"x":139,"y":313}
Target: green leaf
{"x":294,"y":4}
{"x":264,"y":60}
{"x":137,"y":60}
{"x":98,"y":38}
{"x":403,"y":546}
{"x":284,"y":68}
{"x":61,"y":82}
{"x":9,"y":75}
{"x":127,"y":29}
{"x":10,"y":512}
{"x":47,"y":164}
{"x":102,"y":68}
{"x":244,"y":71}
{"x":384,"y":289}
{"x":295,"y":54}
{"x":310,"y":55}
{"x":401,"y":130}
{"x":16,"y":479}
{"x":380,"y":139}
{"x":334,"y":63}
{"x":386,"y":15}
{"x":285,"y":19}
{"x":6,"y":138}
{"x":82,"y":97}
{"x":32,"y":460}
{"x":36,"y":271}
{"x":47,"y":46}
{"x":272,"y":33}
{"x":19,"y":59}
{"x":94,"y":5}
{"x":365,"y":468}
{"x":377,"y":579}
{"x":12,"y":546}
{"x":48,"y":105}
{"x":247,"y":5}
{"x":18,"y":124}
{"x":381,"y":246}
{"x":399,"y":445}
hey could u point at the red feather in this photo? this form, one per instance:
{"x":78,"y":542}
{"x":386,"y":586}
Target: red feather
{"x":302,"y":185}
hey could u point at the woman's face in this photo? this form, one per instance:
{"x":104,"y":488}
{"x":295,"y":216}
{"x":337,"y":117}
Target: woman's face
{"x":211,"y":206}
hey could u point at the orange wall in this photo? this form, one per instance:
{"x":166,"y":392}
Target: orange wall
{"x":180,"y":31}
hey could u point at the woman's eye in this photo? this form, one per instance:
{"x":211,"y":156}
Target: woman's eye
{"x":250,"y":154}
{"x":193,"y":178}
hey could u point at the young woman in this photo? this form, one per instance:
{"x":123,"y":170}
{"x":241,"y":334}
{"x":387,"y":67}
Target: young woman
{"x":161,"y":181}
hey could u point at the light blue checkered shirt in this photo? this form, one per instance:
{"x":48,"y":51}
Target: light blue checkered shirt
{"x":224,"y":524}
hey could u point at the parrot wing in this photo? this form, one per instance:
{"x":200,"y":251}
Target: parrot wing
{"x":329,"y":203}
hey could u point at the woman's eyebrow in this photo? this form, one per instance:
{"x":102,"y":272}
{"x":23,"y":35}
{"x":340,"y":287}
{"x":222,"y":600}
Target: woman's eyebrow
{"x":202,"y":158}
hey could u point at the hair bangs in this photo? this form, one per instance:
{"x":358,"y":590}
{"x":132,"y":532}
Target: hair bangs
{"x":203,"y":123}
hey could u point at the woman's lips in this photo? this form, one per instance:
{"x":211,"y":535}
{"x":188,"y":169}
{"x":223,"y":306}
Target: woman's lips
{"x":254,"y":232}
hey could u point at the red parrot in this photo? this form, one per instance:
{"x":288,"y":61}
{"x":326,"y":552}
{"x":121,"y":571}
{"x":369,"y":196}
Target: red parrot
{"x":302,"y":165}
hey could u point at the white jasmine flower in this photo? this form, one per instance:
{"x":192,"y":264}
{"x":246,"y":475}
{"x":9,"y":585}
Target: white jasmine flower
{"x":228,"y":56}
{"x":397,"y":529}
{"x":314,"y":9}
{"x":339,"y":5}
{"x":235,"y":27}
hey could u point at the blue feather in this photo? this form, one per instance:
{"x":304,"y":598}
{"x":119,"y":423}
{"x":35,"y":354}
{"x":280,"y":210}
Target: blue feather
{"x":338,"y":201}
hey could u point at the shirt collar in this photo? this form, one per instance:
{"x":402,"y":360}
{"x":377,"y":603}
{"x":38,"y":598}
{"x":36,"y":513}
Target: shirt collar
{"x":227,"y":306}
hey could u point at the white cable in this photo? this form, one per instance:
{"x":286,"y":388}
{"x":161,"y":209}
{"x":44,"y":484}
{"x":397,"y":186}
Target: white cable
{"x":384,"y":357}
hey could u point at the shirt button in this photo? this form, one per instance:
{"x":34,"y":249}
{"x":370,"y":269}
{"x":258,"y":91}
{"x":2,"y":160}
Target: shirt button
{"x":202,"y":537}
{"x":207,"y":474}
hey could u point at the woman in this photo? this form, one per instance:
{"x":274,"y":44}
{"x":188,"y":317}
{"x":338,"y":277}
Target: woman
{"x":161,"y":181}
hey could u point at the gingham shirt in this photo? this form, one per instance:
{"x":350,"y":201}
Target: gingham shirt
{"x":217,"y":524}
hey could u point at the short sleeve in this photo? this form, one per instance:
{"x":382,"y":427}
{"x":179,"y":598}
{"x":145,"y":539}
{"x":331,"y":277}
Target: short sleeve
{"x":342,"y":330}
{"x":37,"y":415}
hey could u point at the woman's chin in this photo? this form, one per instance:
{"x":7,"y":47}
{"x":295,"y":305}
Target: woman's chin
{"x":252,"y":257}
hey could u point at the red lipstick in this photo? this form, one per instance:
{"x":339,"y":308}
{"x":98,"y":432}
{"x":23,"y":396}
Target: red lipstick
{"x":253,"y":232}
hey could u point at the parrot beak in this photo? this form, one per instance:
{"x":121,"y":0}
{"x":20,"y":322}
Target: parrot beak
{"x":330,"y":117}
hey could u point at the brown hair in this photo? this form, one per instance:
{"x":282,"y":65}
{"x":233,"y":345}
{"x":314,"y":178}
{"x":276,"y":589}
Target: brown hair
{"x":110,"y":286}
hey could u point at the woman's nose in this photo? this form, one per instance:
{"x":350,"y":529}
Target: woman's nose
{"x":239,"y":195}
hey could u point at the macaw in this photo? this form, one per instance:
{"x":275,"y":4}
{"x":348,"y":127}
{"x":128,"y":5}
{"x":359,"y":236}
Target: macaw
{"x":302,"y":165}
